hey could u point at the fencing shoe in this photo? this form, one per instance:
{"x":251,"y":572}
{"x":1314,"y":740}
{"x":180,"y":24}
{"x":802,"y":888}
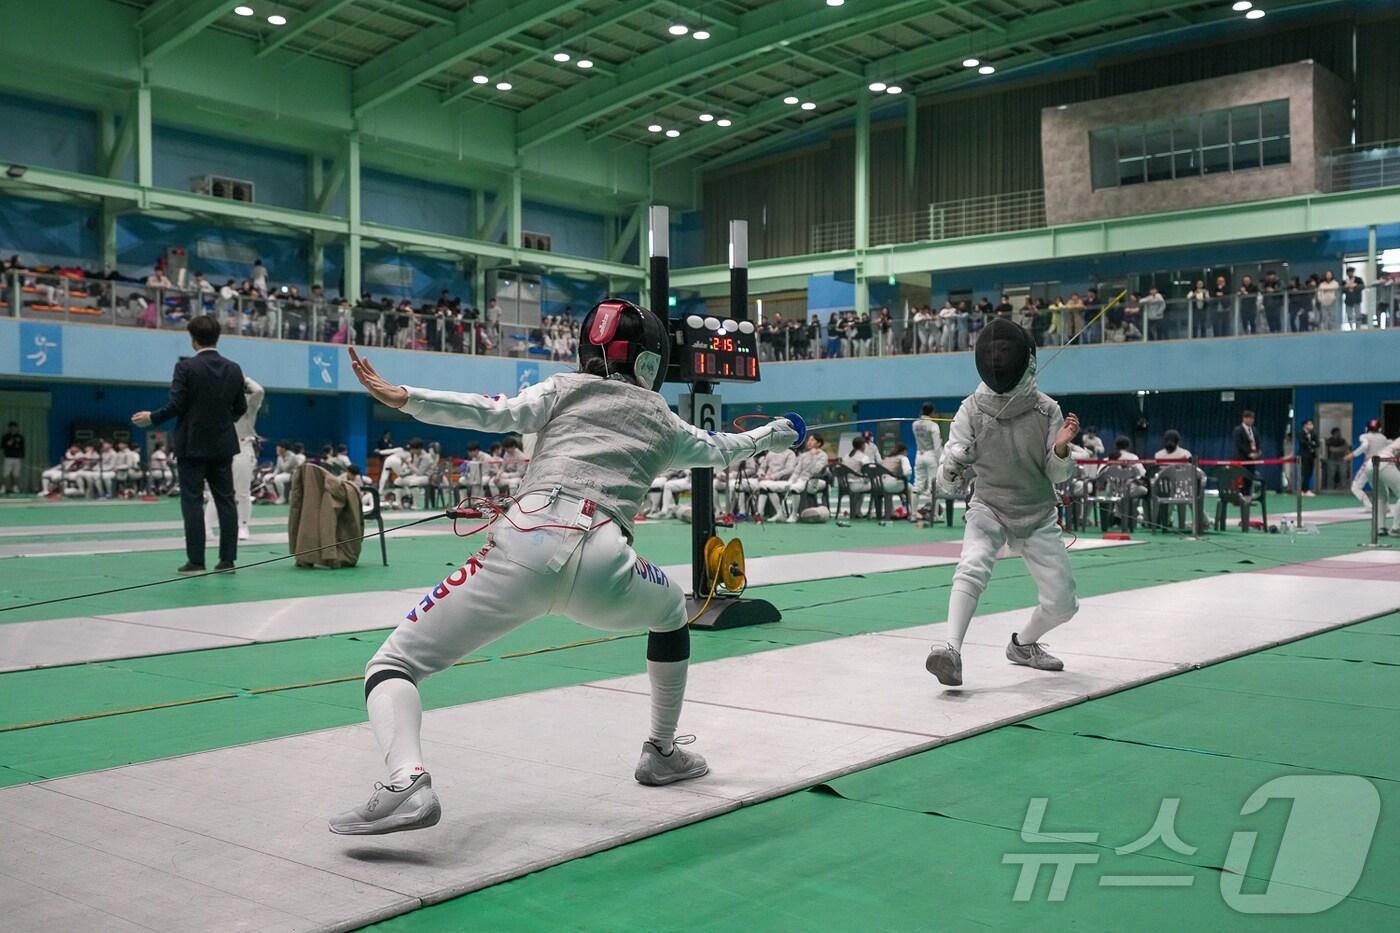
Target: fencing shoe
{"x":1032,"y":655}
{"x":945,"y":663}
{"x":391,"y":810}
{"x":655,"y":769}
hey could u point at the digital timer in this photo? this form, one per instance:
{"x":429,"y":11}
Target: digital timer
{"x":718,"y":349}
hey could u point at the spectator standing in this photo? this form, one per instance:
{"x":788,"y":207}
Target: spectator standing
{"x":1004,"y":309}
{"x":814,"y":336}
{"x":1334,"y":477}
{"x":1154,"y":314}
{"x":1328,"y":291}
{"x":885,"y":328}
{"x":1308,"y":444}
{"x":947,"y":326}
{"x":259,"y":277}
{"x":1197,"y":302}
{"x":12,"y":471}
{"x":833,"y":337}
{"x":1299,"y":305}
{"x":1273,"y":302}
{"x":1073,"y":318}
{"x":1248,"y":298}
{"x":1057,"y":321}
{"x":1093,"y":331}
{"x":976,"y":320}
{"x":207,"y":397}
{"x":1025,"y":315}
{"x":1221,"y":308}
{"x":864,"y":334}
{"x":1353,"y":291}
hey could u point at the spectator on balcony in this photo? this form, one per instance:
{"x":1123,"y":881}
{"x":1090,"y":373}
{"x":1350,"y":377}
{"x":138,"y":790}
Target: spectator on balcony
{"x":1115,"y":319}
{"x":947,"y":326}
{"x":848,"y":333}
{"x":1093,"y":329}
{"x":1222,"y":308}
{"x":1025,"y":315}
{"x":924,"y":340}
{"x":778,"y":329}
{"x":1056,"y":316}
{"x":1301,"y":313}
{"x":1353,"y":292}
{"x":1197,"y":307}
{"x":976,"y":320}
{"x":833,"y":338}
{"x":1272,"y":302}
{"x":814,"y":338}
{"x":158,"y":284}
{"x":885,"y":329}
{"x":1154,"y":315}
{"x":1247,"y":298}
{"x":1041,"y":324}
{"x":259,"y":277}
{"x":1328,"y":293}
{"x":864,"y":333}
{"x":1004,"y":309}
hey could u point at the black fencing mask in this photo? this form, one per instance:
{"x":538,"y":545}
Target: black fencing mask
{"x":1004,"y":352}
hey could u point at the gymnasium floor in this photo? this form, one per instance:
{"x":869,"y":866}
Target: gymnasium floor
{"x":922,"y":838}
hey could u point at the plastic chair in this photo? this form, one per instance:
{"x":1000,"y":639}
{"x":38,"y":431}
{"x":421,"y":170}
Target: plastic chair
{"x":1113,"y":494}
{"x":844,"y":475}
{"x":1241,"y":487}
{"x":1175,"y":484}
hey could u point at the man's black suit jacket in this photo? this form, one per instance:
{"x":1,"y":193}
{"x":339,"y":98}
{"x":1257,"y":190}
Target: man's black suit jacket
{"x":206,"y":396}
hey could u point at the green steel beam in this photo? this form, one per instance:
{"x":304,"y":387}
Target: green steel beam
{"x":303,"y":22}
{"x":499,"y":206}
{"x":182,"y":22}
{"x":761,"y":30}
{"x":431,"y":52}
{"x":628,"y":235}
{"x":158,"y":11}
{"x":1281,"y":217}
{"x":561,"y":40}
{"x":433,"y":14}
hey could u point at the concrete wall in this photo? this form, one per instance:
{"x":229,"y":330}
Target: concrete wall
{"x":1318,"y":112}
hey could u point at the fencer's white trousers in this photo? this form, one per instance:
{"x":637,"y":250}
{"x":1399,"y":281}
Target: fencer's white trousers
{"x":243,"y":465}
{"x":1045,"y":557}
{"x":393,"y":464}
{"x":1387,"y":487}
{"x":598,"y":581}
{"x":669,"y":490}
{"x":925,"y":473}
{"x":1358,"y":484}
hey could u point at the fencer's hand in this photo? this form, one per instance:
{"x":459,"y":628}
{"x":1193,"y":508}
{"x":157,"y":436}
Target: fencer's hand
{"x":142,"y":419}
{"x":782,"y":429}
{"x":391,"y":395}
{"x":1068,"y":432}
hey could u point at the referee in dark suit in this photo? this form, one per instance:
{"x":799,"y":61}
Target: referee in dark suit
{"x":206,"y":398}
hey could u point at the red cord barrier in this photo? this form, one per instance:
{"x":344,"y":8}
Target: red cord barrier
{"x":1198,"y":462}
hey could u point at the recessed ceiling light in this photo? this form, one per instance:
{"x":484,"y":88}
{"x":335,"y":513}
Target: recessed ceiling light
{"x":808,"y":105}
{"x":706,"y":117}
{"x":654,"y":128}
{"x":277,"y":19}
{"x":561,"y":56}
{"x":243,"y":10}
{"x":1241,"y":6}
{"x":971,"y":62}
{"x":835,"y":2}
{"x":480,"y":79}
{"x":724,"y":122}
{"x":1254,"y":14}
{"x":790,"y":100}
{"x":986,"y":70}
{"x":894,"y":89}
{"x":673,"y":133}
{"x":877,"y":86}
{"x":584,"y":63}
{"x":701,"y":34}
{"x":678,"y":29}
{"x":503,"y":85}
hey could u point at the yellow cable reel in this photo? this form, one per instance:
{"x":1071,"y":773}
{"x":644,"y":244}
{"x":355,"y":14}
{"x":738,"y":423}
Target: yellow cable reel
{"x":724,"y":565}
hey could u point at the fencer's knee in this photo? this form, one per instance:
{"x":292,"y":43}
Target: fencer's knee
{"x":1058,"y":608}
{"x":377,"y":672}
{"x":669,"y":646}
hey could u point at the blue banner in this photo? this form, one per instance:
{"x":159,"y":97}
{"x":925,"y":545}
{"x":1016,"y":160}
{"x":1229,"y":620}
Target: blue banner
{"x":41,"y":349}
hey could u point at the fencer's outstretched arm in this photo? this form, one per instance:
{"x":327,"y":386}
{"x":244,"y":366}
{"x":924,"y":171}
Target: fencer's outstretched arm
{"x":254,"y":392}
{"x":961,"y":450}
{"x":526,"y":413}
{"x":697,"y":448}
{"x":1059,"y":465}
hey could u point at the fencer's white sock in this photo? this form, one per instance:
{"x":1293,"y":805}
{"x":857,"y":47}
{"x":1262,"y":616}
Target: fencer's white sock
{"x":1035,"y":629}
{"x":961,"y":606}
{"x":667,"y":695}
{"x":396,"y":715}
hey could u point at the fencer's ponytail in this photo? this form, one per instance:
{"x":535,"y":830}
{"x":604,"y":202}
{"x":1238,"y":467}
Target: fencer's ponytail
{"x":597,"y":366}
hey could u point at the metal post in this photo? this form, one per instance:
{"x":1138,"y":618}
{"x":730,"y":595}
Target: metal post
{"x":1377,"y":494}
{"x":1297,"y":466}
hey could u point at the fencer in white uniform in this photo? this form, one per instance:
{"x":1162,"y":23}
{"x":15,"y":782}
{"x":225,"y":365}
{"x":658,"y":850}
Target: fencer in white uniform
{"x":1386,"y":484}
{"x":778,"y":468}
{"x":928,"y":444}
{"x":562,"y":547}
{"x":395,"y":459}
{"x":289,"y":460}
{"x":244,"y":463}
{"x":1018,"y":442}
{"x":1371,"y":444}
{"x":807,"y":476}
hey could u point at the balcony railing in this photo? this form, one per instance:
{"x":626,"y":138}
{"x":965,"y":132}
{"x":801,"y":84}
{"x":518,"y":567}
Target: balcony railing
{"x":945,"y":220}
{"x":1356,"y":168}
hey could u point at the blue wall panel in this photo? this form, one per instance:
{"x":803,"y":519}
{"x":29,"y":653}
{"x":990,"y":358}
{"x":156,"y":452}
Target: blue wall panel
{"x":47,"y":232}
{"x":219,"y":252}
{"x":47,"y":135}
{"x":279,"y":176}
{"x":414,"y":204}
{"x":572,"y":233}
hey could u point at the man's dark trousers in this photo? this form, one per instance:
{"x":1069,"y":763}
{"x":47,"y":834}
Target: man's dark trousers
{"x":194,"y":472}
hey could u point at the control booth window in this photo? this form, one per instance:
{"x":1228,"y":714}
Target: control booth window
{"x":1234,"y":140}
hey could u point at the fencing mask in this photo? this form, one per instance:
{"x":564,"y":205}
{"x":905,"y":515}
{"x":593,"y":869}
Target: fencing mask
{"x":1004,"y":353}
{"x":623,"y":339}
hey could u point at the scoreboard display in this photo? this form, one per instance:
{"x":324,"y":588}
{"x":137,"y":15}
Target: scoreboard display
{"x":719,"y":349}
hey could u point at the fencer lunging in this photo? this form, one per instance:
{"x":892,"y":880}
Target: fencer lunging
{"x":563,"y":546}
{"x":1018,"y":442}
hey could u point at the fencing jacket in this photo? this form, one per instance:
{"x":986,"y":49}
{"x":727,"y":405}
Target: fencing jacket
{"x":599,"y":439}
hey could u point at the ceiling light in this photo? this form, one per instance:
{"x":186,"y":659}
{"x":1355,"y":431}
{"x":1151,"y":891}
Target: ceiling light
{"x":561,"y":56}
{"x":724,"y":122}
{"x":894,"y":89}
{"x":277,"y":19}
{"x":1254,"y":14}
{"x":971,"y":62}
{"x":706,"y":117}
{"x":986,"y":70}
{"x":503,"y":85}
{"x":835,"y":2}
{"x":877,"y":86}
{"x":701,"y":34}
{"x":584,"y":63}
{"x":809,"y":106}
{"x":480,"y":79}
{"x":678,"y":29}
{"x":673,"y":133}
{"x":790,"y":100}
{"x":654,"y":128}
{"x":243,"y":10}
{"x":1241,"y":6}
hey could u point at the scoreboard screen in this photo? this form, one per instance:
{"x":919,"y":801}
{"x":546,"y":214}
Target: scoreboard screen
{"x":719,"y":349}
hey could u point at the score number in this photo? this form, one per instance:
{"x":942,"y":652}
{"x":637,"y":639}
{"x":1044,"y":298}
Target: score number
{"x":724,"y":345}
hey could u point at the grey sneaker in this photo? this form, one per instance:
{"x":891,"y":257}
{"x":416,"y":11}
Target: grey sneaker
{"x":392,"y":811}
{"x":1032,"y":655}
{"x":945,"y":663}
{"x":655,"y":769}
